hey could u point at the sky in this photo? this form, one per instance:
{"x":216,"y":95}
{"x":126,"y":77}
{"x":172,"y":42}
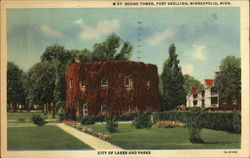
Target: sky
{"x":203,"y":36}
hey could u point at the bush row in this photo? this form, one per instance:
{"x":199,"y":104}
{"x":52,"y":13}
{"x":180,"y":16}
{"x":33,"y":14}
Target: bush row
{"x":143,"y":120}
{"x":102,"y":118}
{"x":224,"y":121}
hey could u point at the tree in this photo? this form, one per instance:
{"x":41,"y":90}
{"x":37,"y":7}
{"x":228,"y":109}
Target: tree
{"x":190,"y":82}
{"x":41,"y":81}
{"x":173,"y":93}
{"x":228,"y":83}
{"x":57,"y":52}
{"x":15,"y":86}
{"x":60,"y":58}
{"x":195,"y":125}
{"x":82,"y":55}
{"x":109,"y":49}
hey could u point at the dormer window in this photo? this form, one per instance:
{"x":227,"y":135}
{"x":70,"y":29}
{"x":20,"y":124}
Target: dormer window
{"x":128,"y":81}
{"x":70,"y":83}
{"x":104,"y":81}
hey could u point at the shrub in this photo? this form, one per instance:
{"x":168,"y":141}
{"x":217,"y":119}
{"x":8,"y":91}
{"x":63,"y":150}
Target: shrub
{"x":99,"y":118}
{"x":143,"y":120}
{"x":224,"y":121}
{"x":194,"y":124}
{"x":38,"y":120}
{"x":127,"y":117}
{"x":61,"y":114}
{"x":236,"y":123}
{"x":111,"y":124}
{"x":70,"y":117}
{"x":179,"y":116}
{"x":60,"y":105}
{"x":88,"y":120}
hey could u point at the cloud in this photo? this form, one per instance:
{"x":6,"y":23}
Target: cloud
{"x":159,"y":36}
{"x":102,"y":27}
{"x":49,"y":32}
{"x":198,"y":52}
{"x":79,"y":21}
{"x":187,"y":69}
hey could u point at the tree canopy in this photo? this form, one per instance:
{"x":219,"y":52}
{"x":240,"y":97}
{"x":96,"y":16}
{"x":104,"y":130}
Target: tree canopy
{"x":113,"y":48}
{"x":190,"y":82}
{"x":41,"y":84}
{"x":228,"y":83}
{"x":173,"y":93}
{"x":15,"y":84}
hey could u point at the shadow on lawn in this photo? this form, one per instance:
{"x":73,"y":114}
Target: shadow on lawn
{"x":219,"y":143}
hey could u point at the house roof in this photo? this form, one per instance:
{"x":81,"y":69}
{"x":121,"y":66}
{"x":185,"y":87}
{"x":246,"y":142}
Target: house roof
{"x":194,"y":90}
{"x":209,"y":82}
{"x":217,"y":73}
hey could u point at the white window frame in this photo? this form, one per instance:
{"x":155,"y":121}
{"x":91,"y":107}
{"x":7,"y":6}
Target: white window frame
{"x":70,"y":83}
{"x":129,"y":81}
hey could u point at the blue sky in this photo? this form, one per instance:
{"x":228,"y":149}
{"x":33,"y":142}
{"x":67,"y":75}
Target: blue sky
{"x":203,"y":36}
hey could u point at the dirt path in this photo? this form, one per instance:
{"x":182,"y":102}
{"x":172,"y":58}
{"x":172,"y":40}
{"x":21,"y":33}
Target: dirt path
{"x":92,"y":141}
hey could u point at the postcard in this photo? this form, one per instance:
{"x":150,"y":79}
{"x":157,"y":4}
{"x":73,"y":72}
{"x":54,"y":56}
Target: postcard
{"x":124,"y":78}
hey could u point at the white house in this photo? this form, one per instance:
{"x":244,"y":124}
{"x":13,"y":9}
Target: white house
{"x":209,"y":98}
{"x":205,"y":98}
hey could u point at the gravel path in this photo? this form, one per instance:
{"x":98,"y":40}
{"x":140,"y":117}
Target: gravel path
{"x":92,"y":141}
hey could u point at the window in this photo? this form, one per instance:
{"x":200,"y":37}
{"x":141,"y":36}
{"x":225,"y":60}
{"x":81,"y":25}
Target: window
{"x":195,"y":96}
{"x":203,"y":103}
{"x":213,"y":91}
{"x":148,"y":84}
{"x":82,"y":85}
{"x":234,"y":102}
{"x":128,"y":81}
{"x":214,"y":100}
{"x":224,"y":102}
{"x":104,"y":108}
{"x":104,"y":81}
{"x":195,"y":102}
{"x":203,"y":93}
{"x":70,"y":83}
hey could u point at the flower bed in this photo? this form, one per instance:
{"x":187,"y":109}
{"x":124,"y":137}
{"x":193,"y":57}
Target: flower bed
{"x":87,"y":130}
{"x":168,"y":124}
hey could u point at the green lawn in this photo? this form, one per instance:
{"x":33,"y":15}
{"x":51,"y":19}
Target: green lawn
{"x":168,"y":138}
{"x":26,"y":117}
{"x":44,"y":137}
